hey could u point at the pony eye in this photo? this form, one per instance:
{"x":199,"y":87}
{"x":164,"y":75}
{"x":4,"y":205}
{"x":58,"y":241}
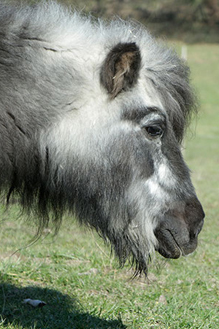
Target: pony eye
{"x":154,"y":131}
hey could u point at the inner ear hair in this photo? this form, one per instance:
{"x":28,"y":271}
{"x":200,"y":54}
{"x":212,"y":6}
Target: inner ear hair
{"x":121,"y":67}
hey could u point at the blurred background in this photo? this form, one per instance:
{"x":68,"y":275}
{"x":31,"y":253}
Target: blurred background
{"x":188,"y":20}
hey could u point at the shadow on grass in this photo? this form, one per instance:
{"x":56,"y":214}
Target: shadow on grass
{"x":61,"y":311}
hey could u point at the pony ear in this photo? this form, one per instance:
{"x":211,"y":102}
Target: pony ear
{"x":121,"y":67}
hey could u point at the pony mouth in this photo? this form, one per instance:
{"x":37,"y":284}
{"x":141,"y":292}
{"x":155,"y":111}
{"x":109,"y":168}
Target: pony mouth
{"x":168,"y":246}
{"x":172,"y":246}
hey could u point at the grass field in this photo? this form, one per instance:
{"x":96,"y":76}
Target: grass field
{"x":83,"y":285}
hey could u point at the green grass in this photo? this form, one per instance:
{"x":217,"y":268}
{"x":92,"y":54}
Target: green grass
{"x":83,"y":285}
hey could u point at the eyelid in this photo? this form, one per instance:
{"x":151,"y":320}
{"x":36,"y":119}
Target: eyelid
{"x":159,"y":123}
{"x":154,"y":118}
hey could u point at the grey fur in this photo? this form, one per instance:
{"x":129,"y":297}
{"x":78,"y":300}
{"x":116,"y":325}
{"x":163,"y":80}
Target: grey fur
{"x":68,"y":145}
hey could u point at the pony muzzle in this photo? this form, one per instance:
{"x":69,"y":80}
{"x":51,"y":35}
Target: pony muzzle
{"x":177,"y":233}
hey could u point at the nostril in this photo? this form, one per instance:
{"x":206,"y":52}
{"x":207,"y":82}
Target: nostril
{"x":200,"y":227}
{"x":194,"y":215}
{"x":195,"y":233}
{"x":202,"y":214}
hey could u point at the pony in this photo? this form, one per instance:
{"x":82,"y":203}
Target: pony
{"x":92,"y":117}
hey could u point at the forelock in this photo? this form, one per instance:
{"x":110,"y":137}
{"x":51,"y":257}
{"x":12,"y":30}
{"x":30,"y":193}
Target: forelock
{"x":170,"y":76}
